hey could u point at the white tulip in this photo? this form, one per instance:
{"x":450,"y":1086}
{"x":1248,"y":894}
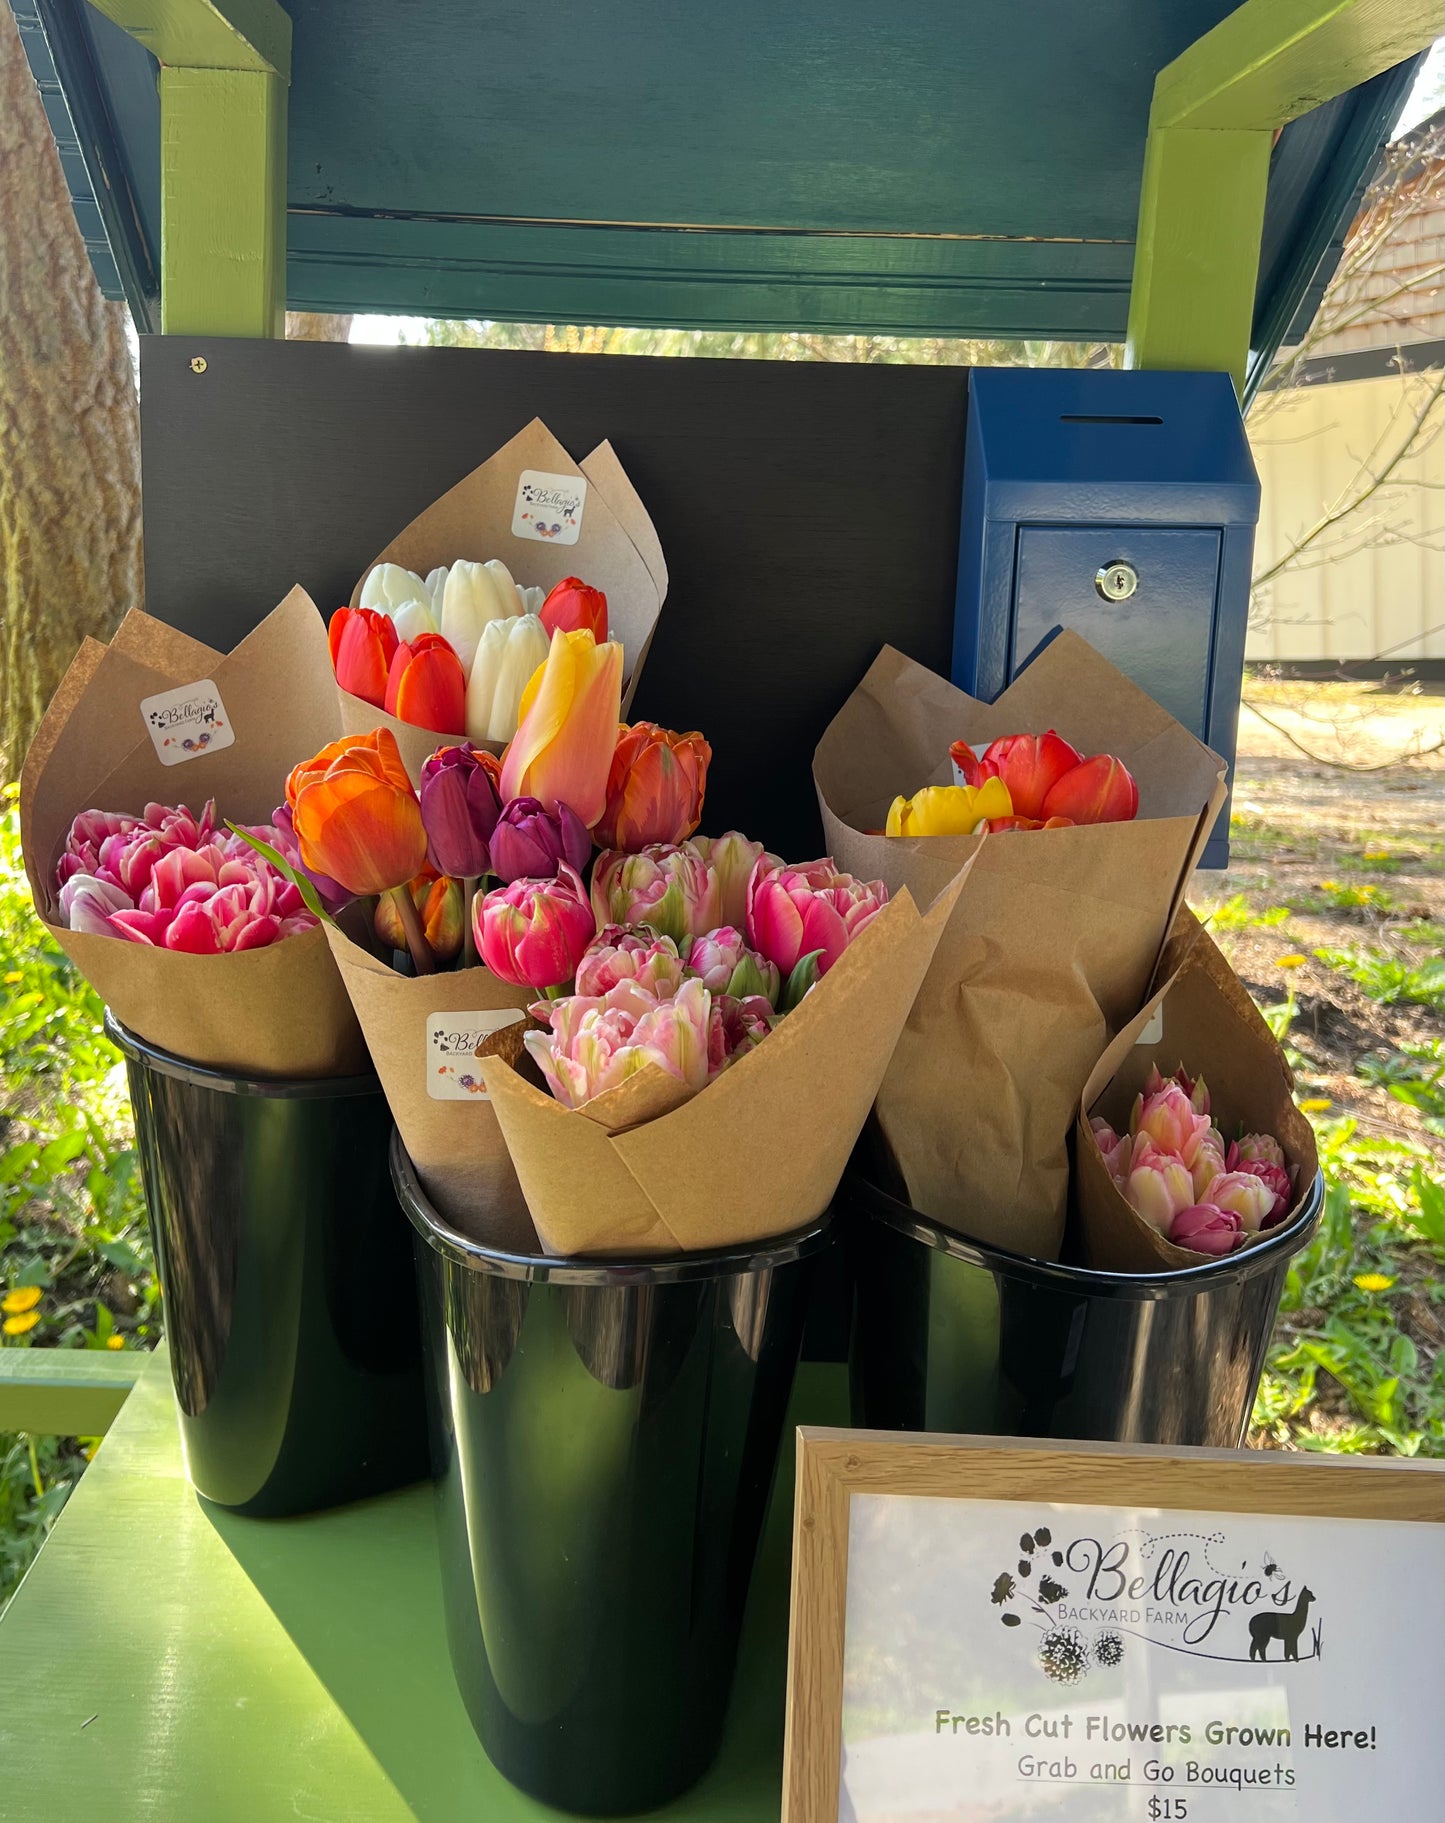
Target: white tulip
{"x":413,"y":619}
{"x":509,"y":651}
{"x":390,"y":587}
{"x":471,"y":600}
{"x":436,"y":583}
{"x":507,"y":591}
{"x":532,"y":599}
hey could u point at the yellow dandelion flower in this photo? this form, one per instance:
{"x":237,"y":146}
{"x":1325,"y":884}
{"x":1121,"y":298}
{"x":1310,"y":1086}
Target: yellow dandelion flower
{"x":1329,"y":886}
{"x":115,"y":1341}
{"x":1290,"y":961}
{"x":12,"y":976}
{"x":1373,"y":1281}
{"x":1376,"y":854}
{"x":24,"y":1297}
{"x":1317,"y":1104}
{"x":17,"y":1326}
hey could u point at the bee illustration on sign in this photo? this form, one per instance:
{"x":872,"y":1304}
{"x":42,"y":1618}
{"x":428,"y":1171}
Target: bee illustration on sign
{"x":1143,"y":1586}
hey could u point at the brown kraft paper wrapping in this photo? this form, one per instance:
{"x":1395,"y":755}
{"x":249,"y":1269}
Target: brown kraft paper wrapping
{"x":759,"y":1151}
{"x":1051,"y":949}
{"x":456,"y":1146}
{"x":1208,"y":1023}
{"x":277,"y":1012}
{"x":617,"y":551}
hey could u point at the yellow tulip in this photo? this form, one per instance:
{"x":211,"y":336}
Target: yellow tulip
{"x":567,"y":727}
{"x":949,"y":810}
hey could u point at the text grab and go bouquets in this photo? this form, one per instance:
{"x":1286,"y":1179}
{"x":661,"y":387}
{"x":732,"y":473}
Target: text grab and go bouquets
{"x":192,"y":939}
{"x":1051,"y":950}
{"x":447,"y":623}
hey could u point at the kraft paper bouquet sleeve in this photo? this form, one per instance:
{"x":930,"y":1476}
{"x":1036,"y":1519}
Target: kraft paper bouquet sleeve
{"x":427,"y":1035}
{"x":277,"y":1011}
{"x":599,"y":532}
{"x":757,"y":1152}
{"x":1201,"y":1017}
{"x":1051,"y":950}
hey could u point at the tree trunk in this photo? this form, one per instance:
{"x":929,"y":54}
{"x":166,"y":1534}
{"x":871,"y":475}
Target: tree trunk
{"x":312,"y":326}
{"x":70,"y":552}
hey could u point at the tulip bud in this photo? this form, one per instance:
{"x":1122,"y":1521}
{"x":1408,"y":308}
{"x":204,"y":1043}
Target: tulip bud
{"x":1249,"y":1198}
{"x":436,"y":584}
{"x":426,"y":686}
{"x":567,"y":727}
{"x":652,"y":964}
{"x":86,"y":904}
{"x":949,"y":810}
{"x":794,"y":912}
{"x":1115,"y":1149}
{"x":508,"y":653}
{"x":356,"y":814}
{"x":1168,"y":1117}
{"x":655,"y":787}
{"x":413,"y":619}
{"x":1262,"y":1156}
{"x":1157,"y":1186}
{"x":438,"y":900}
{"x":596,"y":1044}
{"x":1203,"y":1158}
{"x":723,"y":962}
{"x":363,"y":643}
{"x":1097,"y":790}
{"x":535,"y":932}
{"x":730,"y":860}
{"x":459,"y":808}
{"x":1030,"y":765}
{"x":572,"y":604}
{"x":666,"y":887}
{"x":389,"y":586}
{"x":736,"y":1026}
{"x":472,"y":598}
{"x":532,"y":599}
{"x":1206,"y":1229}
{"x":530,"y":843}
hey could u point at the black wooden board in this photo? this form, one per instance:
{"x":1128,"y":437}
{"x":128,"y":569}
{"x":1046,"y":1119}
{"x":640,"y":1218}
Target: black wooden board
{"x":808,"y":512}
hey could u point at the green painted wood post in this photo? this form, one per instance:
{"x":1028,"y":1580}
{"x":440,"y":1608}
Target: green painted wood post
{"x":1215,"y":112}
{"x":225,"y":69}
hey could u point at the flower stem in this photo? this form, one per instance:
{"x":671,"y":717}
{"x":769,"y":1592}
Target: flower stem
{"x":469,"y":936}
{"x":35,"y":1468}
{"x":426,"y":962}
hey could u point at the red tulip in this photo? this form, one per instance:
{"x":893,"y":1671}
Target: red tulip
{"x":427,"y":686}
{"x":654,"y":789}
{"x":1097,"y":790}
{"x":1030,"y":765}
{"x":573,"y":604}
{"x":362,"y":644}
{"x":997,"y":823}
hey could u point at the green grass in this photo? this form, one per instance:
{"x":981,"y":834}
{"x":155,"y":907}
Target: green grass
{"x":72,"y":1213}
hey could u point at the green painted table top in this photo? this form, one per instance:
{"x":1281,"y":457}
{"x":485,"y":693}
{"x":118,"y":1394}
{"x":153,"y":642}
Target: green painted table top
{"x":165,"y":1660}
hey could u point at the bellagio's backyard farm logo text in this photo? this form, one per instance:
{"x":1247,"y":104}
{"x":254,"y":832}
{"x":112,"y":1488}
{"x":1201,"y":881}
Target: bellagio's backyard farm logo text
{"x":1178,"y":1591}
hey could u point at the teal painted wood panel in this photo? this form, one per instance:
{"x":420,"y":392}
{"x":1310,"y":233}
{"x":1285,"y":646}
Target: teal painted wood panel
{"x":989,"y":117}
{"x":165,"y":1660}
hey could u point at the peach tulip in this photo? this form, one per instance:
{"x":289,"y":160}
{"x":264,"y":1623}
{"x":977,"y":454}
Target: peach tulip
{"x":655,"y":787}
{"x":562,"y":750}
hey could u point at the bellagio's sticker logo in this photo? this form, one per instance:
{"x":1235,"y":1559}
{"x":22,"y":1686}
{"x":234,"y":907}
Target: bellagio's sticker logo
{"x":549,"y":507}
{"x":454,"y":1043}
{"x":186,"y":722}
{"x":1089,"y":1600}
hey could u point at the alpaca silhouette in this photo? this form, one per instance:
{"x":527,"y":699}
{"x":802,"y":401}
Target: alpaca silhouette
{"x":1286,"y":1627}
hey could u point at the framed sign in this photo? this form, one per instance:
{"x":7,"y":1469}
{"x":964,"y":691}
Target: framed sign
{"x":1002,"y":1629}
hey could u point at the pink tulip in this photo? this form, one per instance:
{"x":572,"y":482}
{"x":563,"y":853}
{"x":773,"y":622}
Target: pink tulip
{"x":1203,"y":1158}
{"x":666,"y":885}
{"x":1115,"y":1149}
{"x":1158,"y":1186}
{"x":730,"y":860}
{"x":1206,"y":1229}
{"x":1243,"y":1193}
{"x":1168,"y":1117}
{"x":737,"y":1025}
{"x":1263,"y":1157}
{"x":535,"y":932}
{"x":725,"y":965}
{"x":595,"y":1044}
{"x":86,"y":904}
{"x":83,"y":844}
{"x":616,"y":955}
{"x":793,"y":912}
{"x":1193,"y":1086}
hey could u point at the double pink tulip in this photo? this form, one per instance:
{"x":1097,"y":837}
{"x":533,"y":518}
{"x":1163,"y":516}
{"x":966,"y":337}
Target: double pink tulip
{"x":666,"y":885}
{"x":795,"y":912}
{"x":534,"y":933}
{"x":596,"y":1044}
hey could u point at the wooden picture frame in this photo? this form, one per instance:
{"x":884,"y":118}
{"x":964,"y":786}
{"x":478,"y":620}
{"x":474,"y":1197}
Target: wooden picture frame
{"x":833,"y":1465}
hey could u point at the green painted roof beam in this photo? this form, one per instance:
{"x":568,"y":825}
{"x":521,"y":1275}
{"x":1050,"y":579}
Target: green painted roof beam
{"x":225,"y":67}
{"x":64,"y":1392}
{"x":1215,"y":112}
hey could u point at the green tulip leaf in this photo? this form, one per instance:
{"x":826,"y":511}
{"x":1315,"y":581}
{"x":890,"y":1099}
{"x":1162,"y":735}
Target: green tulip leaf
{"x":310,"y":897}
{"x":803,"y":977}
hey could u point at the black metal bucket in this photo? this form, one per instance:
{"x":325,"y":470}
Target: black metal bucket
{"x":953,"y":1336}
{"x":286,"y":1274}
{"x":607,"y":1432}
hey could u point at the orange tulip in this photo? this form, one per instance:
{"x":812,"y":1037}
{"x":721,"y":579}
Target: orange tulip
{"x":356,"y":815}
{"x":654,"y":789}
{"x":562,"y":750}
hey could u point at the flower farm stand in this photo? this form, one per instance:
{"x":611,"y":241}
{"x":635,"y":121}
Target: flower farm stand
{"x":925,"y":170}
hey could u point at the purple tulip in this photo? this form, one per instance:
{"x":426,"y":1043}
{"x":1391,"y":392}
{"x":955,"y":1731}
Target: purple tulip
{"x":530,"y":842}
{"x":459,"y":809}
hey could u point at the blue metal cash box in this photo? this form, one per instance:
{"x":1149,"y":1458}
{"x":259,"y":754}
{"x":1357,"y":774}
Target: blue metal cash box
{"x":1122,"y":505}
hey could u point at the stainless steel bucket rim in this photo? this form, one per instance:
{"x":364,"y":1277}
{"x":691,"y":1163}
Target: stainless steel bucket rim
{"x":880,"y":1206}
{"x":616,"y":1270}
{"x":225,"y":1082}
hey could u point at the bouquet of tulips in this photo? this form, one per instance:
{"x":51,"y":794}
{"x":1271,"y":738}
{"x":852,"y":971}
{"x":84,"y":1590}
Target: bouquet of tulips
{"x":534,"y":1010}
{"x":1053,"y":948}
{"x":449,"y":622}
{"x":191,"y":926}
{"x":1173,"y":1169}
